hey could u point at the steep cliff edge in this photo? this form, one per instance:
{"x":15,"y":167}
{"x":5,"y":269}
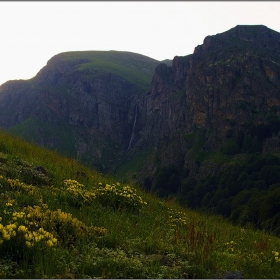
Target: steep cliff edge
{"x":209,"y":101}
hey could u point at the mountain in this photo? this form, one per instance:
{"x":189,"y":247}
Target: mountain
{"x":130,"y":114}
{"x":207,"y":102}
{"x":203,"y":130}
{"x":80,"y":103}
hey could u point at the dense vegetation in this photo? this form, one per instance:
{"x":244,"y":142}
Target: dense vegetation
{"x":246,"y":192}
{"x":60,"y":219}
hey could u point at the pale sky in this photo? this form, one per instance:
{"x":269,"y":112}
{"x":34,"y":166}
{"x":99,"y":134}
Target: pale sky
{"x":33,"y":32}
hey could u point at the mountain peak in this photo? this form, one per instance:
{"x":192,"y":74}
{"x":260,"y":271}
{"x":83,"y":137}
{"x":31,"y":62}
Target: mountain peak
{"x":255,"y":37}
{"x":249,"y":33}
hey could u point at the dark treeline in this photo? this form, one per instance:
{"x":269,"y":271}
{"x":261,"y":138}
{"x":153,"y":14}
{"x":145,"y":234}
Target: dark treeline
{"x":245,"y":192}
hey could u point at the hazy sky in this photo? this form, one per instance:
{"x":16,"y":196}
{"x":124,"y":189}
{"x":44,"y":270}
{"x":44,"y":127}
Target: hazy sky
{"x":32,"y":32}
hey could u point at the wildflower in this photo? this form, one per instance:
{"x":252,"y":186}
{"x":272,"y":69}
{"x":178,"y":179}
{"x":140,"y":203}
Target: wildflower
{"x":29,"y":244}
{"x":28,"y":236}
{"x":22,"y":228}
{"x":8,"y":204}
{"x":40,"y":230}
{"x":50,"y":243}
{"x":11,"y":227}
{"x":6,"y":235}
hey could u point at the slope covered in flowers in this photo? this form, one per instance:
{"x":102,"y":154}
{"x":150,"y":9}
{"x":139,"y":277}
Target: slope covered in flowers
{"x":60,"y":219}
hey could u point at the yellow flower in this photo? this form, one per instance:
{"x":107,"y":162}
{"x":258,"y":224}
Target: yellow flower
{"x":39,"y":238}
{"x":50,"y":243}
{"x":10,"y":227}
{"x":29,"y":244}
{"x":41,"y":230}
{"x":8,"y":204}
{"x":6,"y":236}
{"x":28,"y":236}
{"x":22,"y":228}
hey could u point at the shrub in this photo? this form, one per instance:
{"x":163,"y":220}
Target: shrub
{"x":119,"y":197}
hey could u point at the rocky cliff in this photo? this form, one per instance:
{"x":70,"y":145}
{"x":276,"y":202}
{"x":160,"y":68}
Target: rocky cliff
{"x":206,"y":102}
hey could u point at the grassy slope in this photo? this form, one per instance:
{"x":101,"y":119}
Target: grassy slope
{"x":114,"y":234}
{"x":135,"y":68}
{"x":33,"y":130}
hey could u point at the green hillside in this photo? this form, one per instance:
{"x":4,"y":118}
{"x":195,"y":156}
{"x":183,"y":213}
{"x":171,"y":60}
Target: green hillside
{"x":135,"y":68}
{"x":66,"y":139}
{"x":60,"y":219}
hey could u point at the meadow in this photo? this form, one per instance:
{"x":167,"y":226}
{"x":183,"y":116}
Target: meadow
{"x":61,"y":219}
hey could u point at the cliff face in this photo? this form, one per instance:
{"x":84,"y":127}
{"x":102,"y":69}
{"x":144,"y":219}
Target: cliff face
{"x":229,"y":83}
{"x":156,"y":118}
{"x":231,"y":73}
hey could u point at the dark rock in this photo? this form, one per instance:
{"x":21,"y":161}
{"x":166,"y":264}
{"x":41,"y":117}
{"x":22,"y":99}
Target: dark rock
{"x":41,"y":169}
{"x":233,"y":275}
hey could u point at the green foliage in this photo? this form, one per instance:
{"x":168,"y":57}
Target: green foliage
{"x":247,"y":143}
{"x":230,"y":147}
{"x":245,"y":192}
{"x":168,"y":180}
